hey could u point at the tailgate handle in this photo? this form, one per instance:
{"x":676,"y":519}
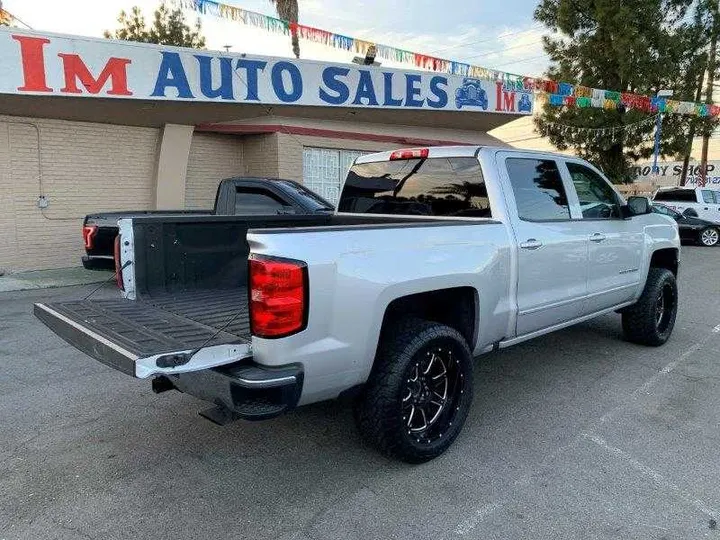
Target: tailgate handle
{"x":173,"y":360}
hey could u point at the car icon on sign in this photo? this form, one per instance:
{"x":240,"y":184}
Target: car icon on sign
{"x":524,"y":105}
{"x":471,"y":93}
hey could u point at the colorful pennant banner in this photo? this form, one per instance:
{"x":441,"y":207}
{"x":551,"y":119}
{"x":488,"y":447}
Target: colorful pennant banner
{"x":569,"y":95}
{"x":558,"y":94}
{"x":338,"y":41}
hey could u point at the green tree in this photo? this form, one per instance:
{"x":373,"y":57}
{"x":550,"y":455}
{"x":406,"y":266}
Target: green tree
{"x":641,"y":47}
{"x":168,"y":28}
{"x":288,"y":11}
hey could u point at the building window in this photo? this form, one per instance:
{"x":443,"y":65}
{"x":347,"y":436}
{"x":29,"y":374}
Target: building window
{"x":324,"y":170}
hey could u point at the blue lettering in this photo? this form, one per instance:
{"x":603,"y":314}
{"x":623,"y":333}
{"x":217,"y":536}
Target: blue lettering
{"x":389,"y":100}
{"x":172,"y":73}
{"x":439,"y":92}
{"x":334,"y":85}
{"x":252,"y":68}
{"x":365,"y":89}
{"x":412,"y":91}
{"x":225,"y":90}
{"x":296,"y":82}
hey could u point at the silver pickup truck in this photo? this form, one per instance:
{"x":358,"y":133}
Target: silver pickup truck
{"x":433,"y":256}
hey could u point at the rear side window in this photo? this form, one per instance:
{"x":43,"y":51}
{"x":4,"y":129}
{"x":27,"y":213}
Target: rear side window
{"x":423,"y":187}
{"x":683,"y":195}
{"x":538,"y":189}
{"x":250,"y":201}
{"x":710,"y":196}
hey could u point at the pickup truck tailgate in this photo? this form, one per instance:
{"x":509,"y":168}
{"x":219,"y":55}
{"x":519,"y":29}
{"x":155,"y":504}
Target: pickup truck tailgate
{"x":154,"y":335}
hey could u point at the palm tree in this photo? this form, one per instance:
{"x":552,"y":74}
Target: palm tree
{"x":288,"y":10}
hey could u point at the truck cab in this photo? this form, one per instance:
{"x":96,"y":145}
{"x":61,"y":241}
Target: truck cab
{"x":703,"y":202}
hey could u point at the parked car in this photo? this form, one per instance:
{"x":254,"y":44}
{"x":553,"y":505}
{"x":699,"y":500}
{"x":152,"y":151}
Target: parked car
{"x":235,"y":196}
{"x":471,"y":93}
{"x":433,"y":256}
{"x":704,"y":201}
{"x":692,"y":229}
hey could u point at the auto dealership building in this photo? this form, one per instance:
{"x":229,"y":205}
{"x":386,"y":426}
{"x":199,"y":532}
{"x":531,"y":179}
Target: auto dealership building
{"x":89,"y":125}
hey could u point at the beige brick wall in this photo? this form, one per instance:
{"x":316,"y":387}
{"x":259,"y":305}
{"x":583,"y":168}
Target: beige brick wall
{"x":212,"y":157}
{"x":86,"y":167}
{"x":8,"y":224}
{"x":260,"y":155}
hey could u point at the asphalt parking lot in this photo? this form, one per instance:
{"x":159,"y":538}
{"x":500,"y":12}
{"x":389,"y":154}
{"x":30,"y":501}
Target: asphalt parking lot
{"x":575,"y":435}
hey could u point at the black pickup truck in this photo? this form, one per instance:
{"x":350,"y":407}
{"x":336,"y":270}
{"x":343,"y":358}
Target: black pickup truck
{"x":238,"y":196}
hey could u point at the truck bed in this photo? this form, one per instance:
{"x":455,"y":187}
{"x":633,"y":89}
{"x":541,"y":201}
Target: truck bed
{"x":187,"y":278}
{"x":164,"y":323}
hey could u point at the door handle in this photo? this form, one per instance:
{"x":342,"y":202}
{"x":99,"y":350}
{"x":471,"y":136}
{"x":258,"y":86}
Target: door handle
{"x":597,"y":237}
{"x":531,"y":243}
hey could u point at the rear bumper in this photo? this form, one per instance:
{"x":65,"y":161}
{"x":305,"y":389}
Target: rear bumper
{"x":246,"y":389}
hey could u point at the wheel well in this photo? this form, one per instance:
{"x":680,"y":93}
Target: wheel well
{"x":456,"y":307}
{"x":665,"y":258}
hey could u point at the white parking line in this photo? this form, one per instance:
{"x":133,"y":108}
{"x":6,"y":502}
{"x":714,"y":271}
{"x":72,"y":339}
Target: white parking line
{"x":473,"y":521}
{"x":658,"y":478}
{"x":470,"y":523}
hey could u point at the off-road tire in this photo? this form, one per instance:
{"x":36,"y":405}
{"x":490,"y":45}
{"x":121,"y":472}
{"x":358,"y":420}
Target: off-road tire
{"x":640,"y":321}
{"x":379,"y":409}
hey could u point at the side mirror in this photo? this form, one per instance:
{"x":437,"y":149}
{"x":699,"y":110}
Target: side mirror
{"x":690,"y":212}
{"x":637,"y":206}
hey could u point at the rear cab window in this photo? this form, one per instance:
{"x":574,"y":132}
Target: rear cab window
{"x":258,"y":201}
{"x":447,"y":186}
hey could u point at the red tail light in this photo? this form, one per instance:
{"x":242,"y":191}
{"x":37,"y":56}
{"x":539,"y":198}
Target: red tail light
{"x":278,"y":296}
{"x":89,"y":232}
{"x":118,"y":265}
{"x":411,"y":153}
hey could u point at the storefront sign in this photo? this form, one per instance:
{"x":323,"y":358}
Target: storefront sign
{"x":49,"y":64}
{"x":669,"y":173}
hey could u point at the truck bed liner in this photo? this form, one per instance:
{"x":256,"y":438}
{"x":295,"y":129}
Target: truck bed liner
{"x":164,"y":323}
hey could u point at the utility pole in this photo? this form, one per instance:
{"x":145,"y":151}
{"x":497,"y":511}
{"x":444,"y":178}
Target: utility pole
{"x":658,"y":129}
{"x":709,"y":86}
{"x":691,"y":133}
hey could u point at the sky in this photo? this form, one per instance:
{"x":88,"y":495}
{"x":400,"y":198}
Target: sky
{"x":494,"y":34}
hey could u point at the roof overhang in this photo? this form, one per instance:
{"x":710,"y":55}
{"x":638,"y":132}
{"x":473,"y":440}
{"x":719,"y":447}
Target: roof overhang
{"x":157,"y":113}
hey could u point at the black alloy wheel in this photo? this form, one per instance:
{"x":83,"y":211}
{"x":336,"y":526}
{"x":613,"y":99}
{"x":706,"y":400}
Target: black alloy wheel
{"x":431,"y":394}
